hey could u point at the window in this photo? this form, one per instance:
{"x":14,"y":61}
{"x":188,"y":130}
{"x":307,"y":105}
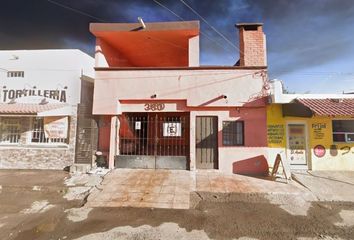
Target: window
{"x":10,"y":130}
{"x":12,"y":74}
{"x":343,"y":130}
{"x":233,"y":133}
{"x":39,"y":136}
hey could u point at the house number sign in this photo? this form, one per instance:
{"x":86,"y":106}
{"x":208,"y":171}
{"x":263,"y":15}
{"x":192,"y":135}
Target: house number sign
{"x":154,"y":106}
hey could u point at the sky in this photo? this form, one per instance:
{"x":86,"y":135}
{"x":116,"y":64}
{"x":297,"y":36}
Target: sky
{"x":310,"y":43}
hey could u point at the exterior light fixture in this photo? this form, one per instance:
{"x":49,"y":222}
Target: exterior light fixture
{"x":43,"y":101}
{"x":13,"y":101}
{"x":142,"y":22}
{"x":153,"y":96}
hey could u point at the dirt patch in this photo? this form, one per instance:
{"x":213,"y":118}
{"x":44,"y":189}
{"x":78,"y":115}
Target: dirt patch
{"x":38,"y":207}
{"x":227,"y":220}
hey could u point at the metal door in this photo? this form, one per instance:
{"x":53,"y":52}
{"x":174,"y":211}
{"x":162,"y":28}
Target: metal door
{"x":153,"y":140}
{"x":207,"y":142}
{"x":86,"y":136}
{"x":297,"y":144}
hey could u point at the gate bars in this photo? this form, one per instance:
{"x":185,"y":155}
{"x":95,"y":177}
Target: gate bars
{"x":153,"y":135}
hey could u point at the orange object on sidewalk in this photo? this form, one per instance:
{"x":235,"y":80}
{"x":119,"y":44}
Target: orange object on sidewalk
{"x":252,"y":166}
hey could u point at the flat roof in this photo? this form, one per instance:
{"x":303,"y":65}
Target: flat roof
{"x":181,"y":68}
{"x":150,"y":26}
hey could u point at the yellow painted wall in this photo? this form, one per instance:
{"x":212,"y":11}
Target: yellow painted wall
{"x":338,"y":156}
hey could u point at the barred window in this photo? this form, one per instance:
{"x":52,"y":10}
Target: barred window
{"x":233,"y":133}
{"x":39,"y":136}
{"x":343,"y":130}
{"x":13,"y":74}
{"x":10,"y":130}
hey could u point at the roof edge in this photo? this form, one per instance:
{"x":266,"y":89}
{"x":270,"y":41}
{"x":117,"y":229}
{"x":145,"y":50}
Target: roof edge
{"x":180,"y":68}
{"x":150,"y":26}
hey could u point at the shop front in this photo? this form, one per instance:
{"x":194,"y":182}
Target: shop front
{"x":43,"y":97}
{"x":316,"y":134}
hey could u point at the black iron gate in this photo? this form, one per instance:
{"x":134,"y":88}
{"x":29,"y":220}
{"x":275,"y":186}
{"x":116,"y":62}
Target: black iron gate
{"x":153,"y":140}
{"x":86,"y":136}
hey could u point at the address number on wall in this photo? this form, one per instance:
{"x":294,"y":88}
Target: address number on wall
{"x":154,"y":106}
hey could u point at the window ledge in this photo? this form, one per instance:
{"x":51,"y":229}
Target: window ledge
{"x":35,"y":146}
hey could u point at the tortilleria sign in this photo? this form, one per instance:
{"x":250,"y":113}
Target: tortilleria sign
{"x":9,"y":94}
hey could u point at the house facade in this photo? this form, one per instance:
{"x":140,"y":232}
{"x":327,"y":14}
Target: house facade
{"x":316,"y":131}
{"x":158,"y":108}
{"x":43,"y":98}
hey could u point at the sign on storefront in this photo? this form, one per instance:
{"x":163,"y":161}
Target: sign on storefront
{"x":56,"y":127}
{"x":172,"y":129}
{"x":137,"y":125}
{"x":10,"y":94}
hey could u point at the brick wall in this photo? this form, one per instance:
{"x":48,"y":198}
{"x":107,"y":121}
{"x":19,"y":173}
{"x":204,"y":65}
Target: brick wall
{"x":30,"y":156}
{"x":252,"y":46}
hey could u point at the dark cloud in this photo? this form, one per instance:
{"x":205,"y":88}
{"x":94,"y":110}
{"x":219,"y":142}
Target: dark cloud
{"x":300,"y":33}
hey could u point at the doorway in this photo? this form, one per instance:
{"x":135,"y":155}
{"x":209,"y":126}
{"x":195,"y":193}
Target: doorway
{"x":207,"y":142}
{"x":297,"y":143}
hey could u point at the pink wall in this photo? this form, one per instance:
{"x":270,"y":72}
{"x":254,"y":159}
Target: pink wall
{"x":255,"y":120}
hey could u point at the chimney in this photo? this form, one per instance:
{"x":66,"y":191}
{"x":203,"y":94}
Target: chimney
{"x":253,"y":51}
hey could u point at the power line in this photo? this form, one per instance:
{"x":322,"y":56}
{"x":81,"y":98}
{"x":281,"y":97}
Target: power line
{"x":213,"y":28}
{"x":201,"y":32}
{"x":76,"y":10}
{"x":163,"y":6}
{"x":101,"y":20}
{"x":160,"y":4}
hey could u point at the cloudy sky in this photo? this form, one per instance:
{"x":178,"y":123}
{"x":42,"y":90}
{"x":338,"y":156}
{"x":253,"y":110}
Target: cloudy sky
{"x":310,"y":42}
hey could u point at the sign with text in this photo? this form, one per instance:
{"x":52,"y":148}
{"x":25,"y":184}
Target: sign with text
{"x":172,"y":129}
{"x":275,"y":133}
{"x":319,"y":130}
{"x":56,"y":127}
{"x":154,"y":106}
{"x":10,"y":94}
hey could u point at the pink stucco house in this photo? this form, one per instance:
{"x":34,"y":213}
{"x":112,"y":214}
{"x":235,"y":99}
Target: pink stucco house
{"x":159,"y":108}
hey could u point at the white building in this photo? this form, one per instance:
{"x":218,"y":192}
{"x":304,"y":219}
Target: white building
{"x":45,"y":99}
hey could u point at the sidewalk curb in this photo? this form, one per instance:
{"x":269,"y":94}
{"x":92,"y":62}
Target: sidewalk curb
{"x":251,"y":197}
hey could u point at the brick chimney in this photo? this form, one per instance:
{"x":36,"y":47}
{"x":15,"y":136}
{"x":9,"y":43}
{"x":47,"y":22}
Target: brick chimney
{"x":253,"y":51}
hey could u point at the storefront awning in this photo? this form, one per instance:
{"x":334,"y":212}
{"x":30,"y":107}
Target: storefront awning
{"x":35,"y":109}
{"x":329,"y":107}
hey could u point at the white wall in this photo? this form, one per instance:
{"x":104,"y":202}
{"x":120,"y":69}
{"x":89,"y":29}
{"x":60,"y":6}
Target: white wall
{"x":198,"y":87}
{"x":46,"y":70}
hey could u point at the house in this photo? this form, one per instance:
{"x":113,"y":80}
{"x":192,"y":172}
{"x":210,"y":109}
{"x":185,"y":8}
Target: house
{"x":45,"y":109}
{"x":316,"y":131}
{"x":158,"y":108}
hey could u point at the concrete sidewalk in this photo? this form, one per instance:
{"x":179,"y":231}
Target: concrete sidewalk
{"x":328,"y":185}
{"x":185,"y":189}
{"x":143,"y":188}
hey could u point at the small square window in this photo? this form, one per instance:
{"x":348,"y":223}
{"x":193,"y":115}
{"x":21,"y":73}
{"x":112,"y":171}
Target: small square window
{"x":13,"y":74}
{"x":233,"y":133}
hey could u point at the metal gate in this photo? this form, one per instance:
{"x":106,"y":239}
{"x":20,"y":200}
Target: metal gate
{"x":86,"y":137}
{"x":207,"y":142}
{"x":153,"y":140}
